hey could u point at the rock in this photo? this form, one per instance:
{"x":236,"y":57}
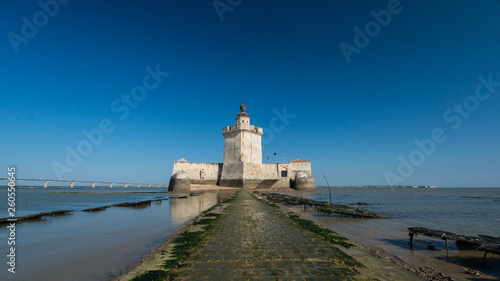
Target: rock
{"x":360,"y":204}
{"x":474,"y":272}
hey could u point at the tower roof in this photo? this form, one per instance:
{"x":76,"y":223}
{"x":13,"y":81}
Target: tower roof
{"x":243,"y":110}
{"x":298,"y":160}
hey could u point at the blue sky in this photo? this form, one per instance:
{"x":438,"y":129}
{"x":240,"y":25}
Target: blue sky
{"x":357,"y":121}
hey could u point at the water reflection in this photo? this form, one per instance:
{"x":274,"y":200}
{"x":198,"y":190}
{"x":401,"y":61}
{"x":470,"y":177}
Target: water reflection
{"x":182,"y":208}
{"x":99,"y":245}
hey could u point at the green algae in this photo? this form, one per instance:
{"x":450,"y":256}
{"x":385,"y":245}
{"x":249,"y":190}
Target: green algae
{"x":153,"y":275}
{"x":327,"y":234}
{"x":184,"y":243}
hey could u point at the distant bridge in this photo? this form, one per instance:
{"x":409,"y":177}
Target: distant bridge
{"x":110,"y":183}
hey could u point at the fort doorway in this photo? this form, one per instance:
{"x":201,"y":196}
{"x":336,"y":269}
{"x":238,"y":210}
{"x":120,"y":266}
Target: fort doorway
{"x":284,"y":174}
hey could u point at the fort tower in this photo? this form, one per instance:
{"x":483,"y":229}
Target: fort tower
{"x":242,"y":164}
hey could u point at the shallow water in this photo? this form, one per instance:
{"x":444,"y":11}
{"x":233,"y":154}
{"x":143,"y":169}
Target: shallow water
{"x":449,"y":209}
{"x":97,"y":245}
{"x":36,"y":200}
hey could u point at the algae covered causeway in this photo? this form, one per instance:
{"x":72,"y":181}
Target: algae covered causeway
{"x":265,"y":239}
{"x":253,"y":239}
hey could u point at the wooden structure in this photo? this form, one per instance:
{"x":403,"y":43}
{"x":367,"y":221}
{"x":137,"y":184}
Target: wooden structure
{"x":488,"y":244}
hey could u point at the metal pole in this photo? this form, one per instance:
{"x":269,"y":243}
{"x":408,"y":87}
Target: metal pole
{"x":446,"y":247}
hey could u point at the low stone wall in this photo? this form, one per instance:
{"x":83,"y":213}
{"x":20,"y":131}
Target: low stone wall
{"x":203,"y":182}
{"x":247,"y":175}
{"x":281,"y":183}
{"x":231,"y":183}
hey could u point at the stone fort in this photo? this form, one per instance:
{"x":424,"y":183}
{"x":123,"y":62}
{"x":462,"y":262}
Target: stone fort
{"x":242,"y":164}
